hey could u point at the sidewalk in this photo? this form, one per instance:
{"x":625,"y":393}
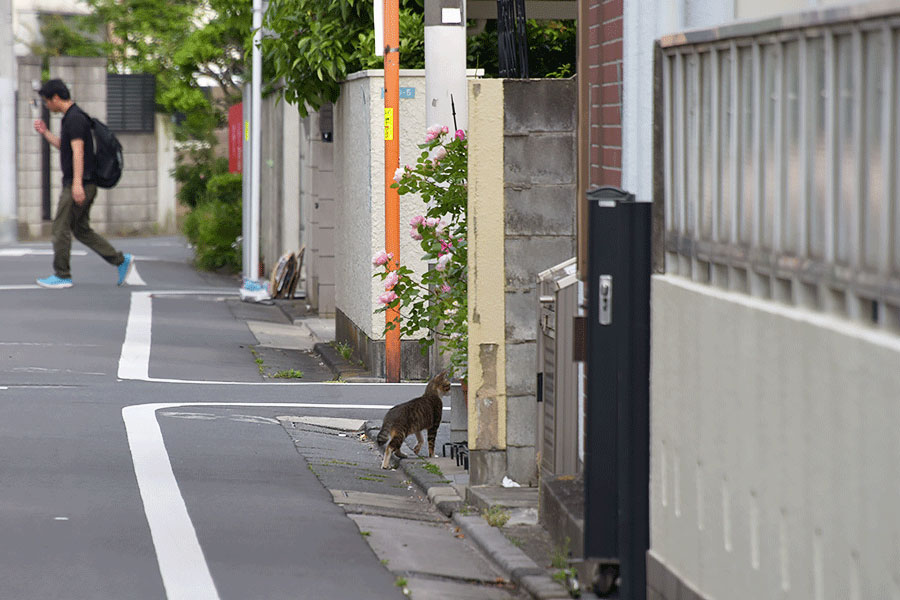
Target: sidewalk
{"x":423,"y":519}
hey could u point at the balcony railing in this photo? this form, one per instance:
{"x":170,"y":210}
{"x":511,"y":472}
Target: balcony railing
{"x":779,"y":145}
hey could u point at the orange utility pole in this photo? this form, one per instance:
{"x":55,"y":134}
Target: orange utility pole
{"x":391,"y":163}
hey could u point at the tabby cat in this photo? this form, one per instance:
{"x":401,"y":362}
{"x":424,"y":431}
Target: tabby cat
{"x":411,"y":417}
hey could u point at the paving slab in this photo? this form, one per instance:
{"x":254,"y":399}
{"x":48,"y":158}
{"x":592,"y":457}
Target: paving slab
{"x":282,"y":335}
{"x":436,"y":589}
{"x":328,"y":422}
{"x":402,"y":503}
{"x":405,"y":543}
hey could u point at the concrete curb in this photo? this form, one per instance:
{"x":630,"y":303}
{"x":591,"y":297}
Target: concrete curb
{"x":336,"y":363}
{"x":515,"y":564}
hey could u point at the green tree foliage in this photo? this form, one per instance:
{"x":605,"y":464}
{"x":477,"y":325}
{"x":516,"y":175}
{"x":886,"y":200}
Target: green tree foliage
{"x":64,"y":35}
{"x":186,"y":45}
{"x":551,"y":49}
{"x":312,"y":45}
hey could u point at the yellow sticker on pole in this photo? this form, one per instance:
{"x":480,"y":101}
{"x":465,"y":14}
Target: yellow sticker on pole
{"x":388,"y":124}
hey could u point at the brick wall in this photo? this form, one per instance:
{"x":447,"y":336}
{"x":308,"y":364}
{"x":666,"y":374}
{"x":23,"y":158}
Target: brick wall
{"x":605,"y":75}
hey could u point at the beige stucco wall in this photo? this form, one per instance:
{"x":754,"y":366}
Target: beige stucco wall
{"x":487,"y":310}
{"x":359,"y":168}
{"x":775,"y":448}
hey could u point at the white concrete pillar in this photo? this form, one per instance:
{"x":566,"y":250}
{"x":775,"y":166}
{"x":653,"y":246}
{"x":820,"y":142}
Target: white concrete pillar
{"x":165,"y":183}
{"x":8,"y":217}
{"x":445,"y":63}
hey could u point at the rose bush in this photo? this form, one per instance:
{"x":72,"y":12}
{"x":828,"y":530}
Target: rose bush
{"x":436,"y":301}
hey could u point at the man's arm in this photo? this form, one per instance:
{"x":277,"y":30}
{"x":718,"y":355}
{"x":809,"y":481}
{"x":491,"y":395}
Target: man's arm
{"x":78,"y":171}
{"x":41,"y":128}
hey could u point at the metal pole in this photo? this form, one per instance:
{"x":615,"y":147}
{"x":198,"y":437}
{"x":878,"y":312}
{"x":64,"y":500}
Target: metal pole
{"x":391,"y":163}
{"x":255,"y":143}
{"x":247,"y":175}
{"x":8,"y":218}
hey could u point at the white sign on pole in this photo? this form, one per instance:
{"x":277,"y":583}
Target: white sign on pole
{"x":379,"y":27}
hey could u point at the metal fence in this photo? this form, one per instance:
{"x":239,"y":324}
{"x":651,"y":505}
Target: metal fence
{"x":779,"y":144}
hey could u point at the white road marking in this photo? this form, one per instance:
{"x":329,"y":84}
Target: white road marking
{"x":54,"y":344}
{"x":134,"y":359}
{"x":20,"y":252}
{"x":30,"y":286}
{"x":182,"y":565}
{"x":134,"y":277}
{"x":48,"y":370}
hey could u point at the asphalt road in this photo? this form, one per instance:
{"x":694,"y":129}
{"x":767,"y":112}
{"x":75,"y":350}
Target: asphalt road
{"x":141,"y":457}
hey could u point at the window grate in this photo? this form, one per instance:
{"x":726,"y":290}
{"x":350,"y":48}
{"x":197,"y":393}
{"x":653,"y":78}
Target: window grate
{"x":130,"y":102}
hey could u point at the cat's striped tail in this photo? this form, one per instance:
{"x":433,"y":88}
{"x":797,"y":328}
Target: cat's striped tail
{"x":383,"y":436}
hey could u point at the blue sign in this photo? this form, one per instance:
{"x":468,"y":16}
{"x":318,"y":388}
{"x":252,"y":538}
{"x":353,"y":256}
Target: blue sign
{"x":406,"y":93}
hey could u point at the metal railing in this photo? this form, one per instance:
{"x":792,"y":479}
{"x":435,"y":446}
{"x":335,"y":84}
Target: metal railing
{"x":779,"y":148}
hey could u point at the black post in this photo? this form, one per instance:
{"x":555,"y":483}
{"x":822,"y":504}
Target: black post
{"x":46,"y":213}
{"x":617,"y":449}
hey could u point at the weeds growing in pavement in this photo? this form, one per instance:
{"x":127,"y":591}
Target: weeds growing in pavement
{"x":496,"y":516}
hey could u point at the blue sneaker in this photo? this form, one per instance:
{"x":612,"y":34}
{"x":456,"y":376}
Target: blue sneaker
{"x":54,"y":282}
{"x":125,"y":268}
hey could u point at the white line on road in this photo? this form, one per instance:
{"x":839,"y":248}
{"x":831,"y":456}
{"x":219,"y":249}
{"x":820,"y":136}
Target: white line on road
{"x":30,"y":286}
{"x":20,"y":252}
{"x":182,"y":565}
{"x":134,"y":360}
{"x":134,"y":278}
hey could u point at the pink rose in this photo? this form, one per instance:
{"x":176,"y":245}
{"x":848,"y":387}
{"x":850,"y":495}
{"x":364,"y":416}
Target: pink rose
{"x":460,"y":134}
{"x":445,"y":129}
{"x":440,"y":153}
{"x":445,"y":288}
{"x":382,"y":258}
{"x":443,"y":260}
{"x":391,"y":280}
{"x":414,"y":234}
{"x":398,"y":174}
{"x":416,"y":221}
{"x":432,"y":221}
{"x":387,"y":297}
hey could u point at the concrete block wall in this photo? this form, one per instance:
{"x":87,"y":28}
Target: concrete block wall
{"x":522,"y":221}
{"x":539,"y":222}
{"x":28,"y":150}
{"x":134,"y":205}
{"x":131,"y":206}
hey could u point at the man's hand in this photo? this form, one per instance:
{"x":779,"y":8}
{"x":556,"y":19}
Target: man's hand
{"x":40,"y":126}
{"x":78,"y":193}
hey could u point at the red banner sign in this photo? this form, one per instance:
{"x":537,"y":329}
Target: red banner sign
{"x":236,"y":138}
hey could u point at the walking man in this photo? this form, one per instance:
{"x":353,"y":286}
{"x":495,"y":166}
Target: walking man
{"x":76,"y":157}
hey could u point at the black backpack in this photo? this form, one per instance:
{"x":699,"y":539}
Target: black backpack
{"x":108,"y":162}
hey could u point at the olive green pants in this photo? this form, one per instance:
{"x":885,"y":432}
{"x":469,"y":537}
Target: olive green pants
{"x":73,"y":219}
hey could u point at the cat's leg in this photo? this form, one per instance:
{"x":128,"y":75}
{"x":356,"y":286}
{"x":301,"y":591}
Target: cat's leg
{"x":386,"y":463}
{"x":432,"y":435}
{"x":396,"y":443}
{"x":420,"y":441}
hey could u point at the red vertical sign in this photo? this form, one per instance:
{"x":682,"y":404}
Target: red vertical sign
{"x":236,"y":138}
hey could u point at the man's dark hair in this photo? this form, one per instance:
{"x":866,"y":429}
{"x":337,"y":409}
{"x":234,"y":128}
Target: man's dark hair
{"x":54,"y":87}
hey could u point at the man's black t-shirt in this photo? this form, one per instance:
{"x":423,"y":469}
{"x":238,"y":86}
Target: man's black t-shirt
{"x":76,"y":126}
